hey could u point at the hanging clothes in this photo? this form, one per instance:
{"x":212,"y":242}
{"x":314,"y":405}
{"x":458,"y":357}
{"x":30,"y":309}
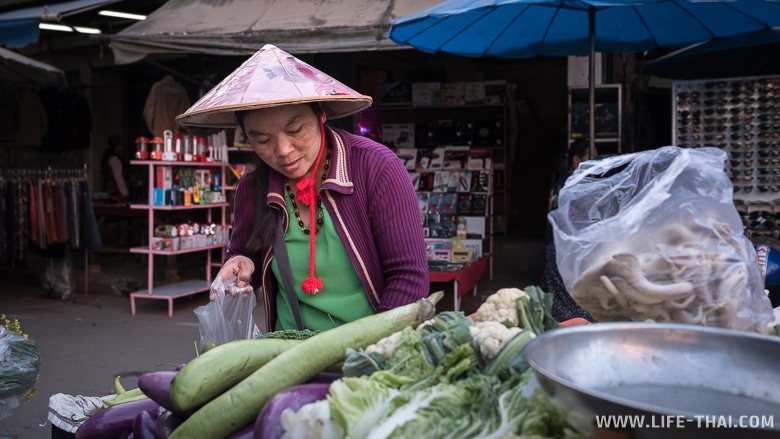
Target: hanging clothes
{"x":45,"y":211}
{"x":166,"y":100}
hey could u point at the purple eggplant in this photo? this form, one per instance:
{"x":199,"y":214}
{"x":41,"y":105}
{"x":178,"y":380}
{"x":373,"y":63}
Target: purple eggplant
{"x":247,"y":432}
{"x":143,"y":426}
{"x":166,"y":423}
{"x":115,"y":421}
{"x":325,"y":377}
{"x":269,"y":422}
{"x":157,"y":386}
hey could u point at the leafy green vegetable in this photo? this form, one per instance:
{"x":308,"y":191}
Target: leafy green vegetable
{"x":356,"y":404}
{"x":291,"y":334}
{"x":436,"y":384}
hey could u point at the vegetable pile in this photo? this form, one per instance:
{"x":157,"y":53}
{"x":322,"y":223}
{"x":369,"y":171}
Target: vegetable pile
{"x":407,"y":372}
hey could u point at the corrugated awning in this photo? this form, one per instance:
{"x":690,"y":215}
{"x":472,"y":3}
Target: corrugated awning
{"x":18,"y":69}
{"x":19,"y":28}
{"x":241,"y":27}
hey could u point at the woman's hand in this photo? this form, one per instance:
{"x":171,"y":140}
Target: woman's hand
{"x":241,"y":268}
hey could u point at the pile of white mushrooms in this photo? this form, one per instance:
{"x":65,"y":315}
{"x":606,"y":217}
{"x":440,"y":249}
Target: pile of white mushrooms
{"x":682,"y":271}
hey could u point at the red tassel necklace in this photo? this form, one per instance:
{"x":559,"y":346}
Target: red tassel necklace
{"x":306,"y":195}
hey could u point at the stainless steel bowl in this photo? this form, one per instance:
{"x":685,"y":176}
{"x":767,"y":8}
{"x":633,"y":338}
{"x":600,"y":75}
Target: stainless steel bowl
{"x":665,"y":371}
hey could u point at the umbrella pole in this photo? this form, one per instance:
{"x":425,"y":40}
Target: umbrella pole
{"x":591,"y":81}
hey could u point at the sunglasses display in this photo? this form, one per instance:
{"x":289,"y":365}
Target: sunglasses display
{"x":740,"y":116}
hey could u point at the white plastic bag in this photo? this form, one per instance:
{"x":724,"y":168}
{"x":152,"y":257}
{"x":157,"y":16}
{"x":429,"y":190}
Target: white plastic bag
{"x":229,"y":317}
{"x":655,"y":235}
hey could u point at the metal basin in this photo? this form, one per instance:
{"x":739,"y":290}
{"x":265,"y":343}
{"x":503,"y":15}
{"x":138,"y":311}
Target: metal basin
{"x":688,"y":381}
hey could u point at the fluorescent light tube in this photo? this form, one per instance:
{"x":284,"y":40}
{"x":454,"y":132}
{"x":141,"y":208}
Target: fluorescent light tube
{"x":59,"y":27}
{"x":87,"y":30}
{"x":117,"y":14}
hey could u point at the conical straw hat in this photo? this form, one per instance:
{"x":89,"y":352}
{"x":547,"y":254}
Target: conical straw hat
{"x":269,"y":78}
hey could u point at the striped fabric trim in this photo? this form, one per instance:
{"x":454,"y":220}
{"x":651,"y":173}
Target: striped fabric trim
{"x":340,"y":162}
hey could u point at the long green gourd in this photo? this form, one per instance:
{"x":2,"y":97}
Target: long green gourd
{"x":239,"y":406}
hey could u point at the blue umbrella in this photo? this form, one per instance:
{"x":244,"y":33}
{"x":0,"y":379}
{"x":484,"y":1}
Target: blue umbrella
{"x":753,"y":54}
{"x":530,"y":28}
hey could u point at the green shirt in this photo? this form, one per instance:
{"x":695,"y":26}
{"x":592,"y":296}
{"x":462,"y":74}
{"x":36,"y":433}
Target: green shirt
{"x":342,"y":298}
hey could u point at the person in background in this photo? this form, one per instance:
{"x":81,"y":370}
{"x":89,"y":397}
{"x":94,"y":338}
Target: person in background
{"x":564,"y":307}
{"x":335,"y":210}
{"x":112,"y":168}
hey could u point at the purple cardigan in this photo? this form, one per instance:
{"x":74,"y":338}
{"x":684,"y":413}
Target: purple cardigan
{"x":371,"y":200}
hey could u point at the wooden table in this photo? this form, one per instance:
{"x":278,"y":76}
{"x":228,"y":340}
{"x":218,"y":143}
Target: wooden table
{"x":464,"y":280}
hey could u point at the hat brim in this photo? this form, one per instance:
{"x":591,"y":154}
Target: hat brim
{"x":225,"y":116}
{"x":271,"y":78}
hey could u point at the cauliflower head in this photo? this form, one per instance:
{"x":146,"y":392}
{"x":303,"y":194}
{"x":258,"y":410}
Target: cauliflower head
{"x":501,"y":306}
{"x":386,"y":346}
{"x":490,"y":337}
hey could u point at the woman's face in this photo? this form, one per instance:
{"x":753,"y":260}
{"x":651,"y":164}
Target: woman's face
{"x":287,"y":138}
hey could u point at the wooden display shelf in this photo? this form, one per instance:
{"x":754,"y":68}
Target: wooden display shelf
{"x":170,"y":292}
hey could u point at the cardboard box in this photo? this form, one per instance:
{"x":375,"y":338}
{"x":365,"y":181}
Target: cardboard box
{"x":398,"y":135}
{"x":408,"y":157}
{"x":495,"y":91}
{"x":437,"y":158}
{"x":481,"y":182}
{"x":159,"y":197}
{"x":456,"y":157}
{"x":475,"y":93}
{"x":164,"y":178}
{"x":165,"y":244}
{"x":475,"y":226}
{"x":475,"y":245}
{"x":426,"y":182}
{"x":426,"y":94}
{"x":453,"y":94}
{"x":480,"y":159}
{"x":460,"y":181}
{"x":186,"y":242}
{"x":396,"y":93}
{"x":199,"y":241}
{"x":472,"y":204}
{"x":440,"y":181}
{"x":449,"y":204}
{"x":415,"y":176}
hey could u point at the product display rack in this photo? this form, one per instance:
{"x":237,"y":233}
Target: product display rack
{"x":422,"y":117}
{"x":740,"y":116}
{"x":173,"y":291}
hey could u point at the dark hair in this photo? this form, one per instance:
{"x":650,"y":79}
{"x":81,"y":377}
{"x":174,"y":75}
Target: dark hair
{"x":578,"y":148}
{"x":266,"y":218}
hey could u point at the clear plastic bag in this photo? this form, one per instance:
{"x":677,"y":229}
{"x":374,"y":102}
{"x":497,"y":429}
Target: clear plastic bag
{"x":20,"y":363}
{"x":229,"y":316}
{"x":655,"y":235}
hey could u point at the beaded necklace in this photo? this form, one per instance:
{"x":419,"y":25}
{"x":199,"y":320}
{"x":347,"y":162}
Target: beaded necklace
{"x":297,"y":211}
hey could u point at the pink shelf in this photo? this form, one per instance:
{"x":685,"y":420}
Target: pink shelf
{"x":186,"y":288}
{"x":146,"y":251}
{"x":170,"y":292}
{"x":169,"y":207}
{"x":167,"y":163}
